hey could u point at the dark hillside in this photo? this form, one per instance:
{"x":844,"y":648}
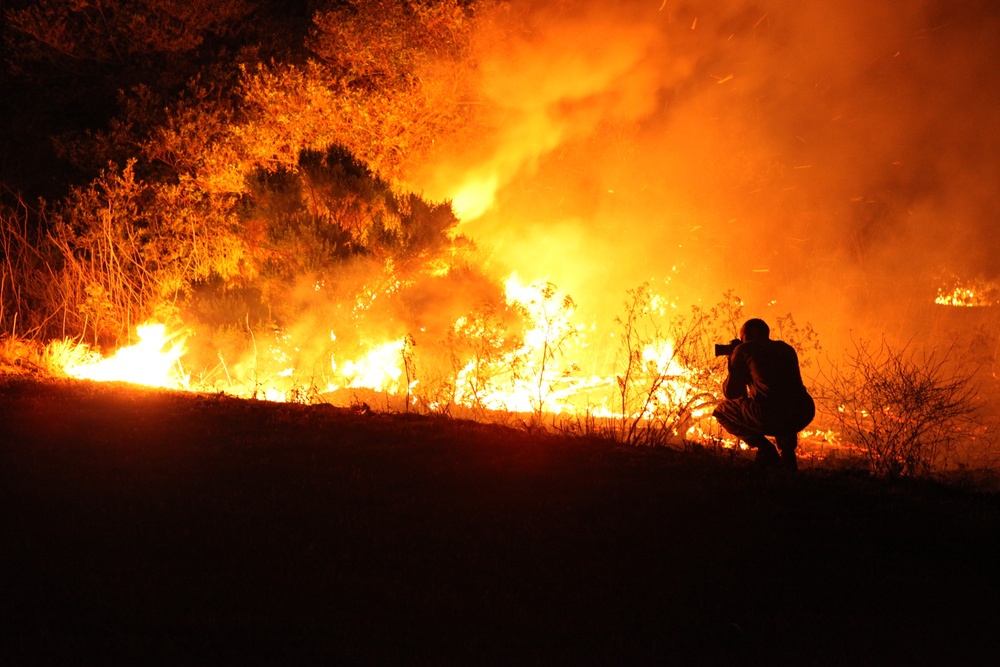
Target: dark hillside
{"x":144,"y":527}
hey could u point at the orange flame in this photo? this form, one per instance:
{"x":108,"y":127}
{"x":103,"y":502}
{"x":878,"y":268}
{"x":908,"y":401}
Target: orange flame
{"x":379,"y":369}
{"x":969,"y":293}
{"x":154,"y":361}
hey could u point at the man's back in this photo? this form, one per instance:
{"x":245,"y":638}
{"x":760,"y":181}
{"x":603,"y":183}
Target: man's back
{"x":768,"y":368}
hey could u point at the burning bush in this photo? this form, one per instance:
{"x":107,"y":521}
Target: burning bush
{"x":333,"y":207}
{"x":663,"y":377}
{"x":125,"y":250}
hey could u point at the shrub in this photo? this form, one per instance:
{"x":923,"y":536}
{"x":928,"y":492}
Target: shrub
{"x":483,"y":356}
{"x":665,"y":373}
{"x":25,"y":275}
{"x":906,"y":412}
{"x":127,"y":250}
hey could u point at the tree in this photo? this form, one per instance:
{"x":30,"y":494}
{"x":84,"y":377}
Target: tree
{"x":67,"y":33}
{"x":389,"y":79}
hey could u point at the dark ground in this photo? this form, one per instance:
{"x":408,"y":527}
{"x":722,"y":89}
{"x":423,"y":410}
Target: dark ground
{"x":143,"y":527}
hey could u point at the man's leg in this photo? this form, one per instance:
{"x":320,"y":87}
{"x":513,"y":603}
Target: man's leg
{"x":787,"y":444}
{"x":732,"y":417}
{"x":767,"y":455}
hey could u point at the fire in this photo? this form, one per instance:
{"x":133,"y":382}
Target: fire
{"x":475,"y":197}
{"x":537,"y":376}
{"x":379,"y":369}
{"x":533,"y":373}
{"x":154,"y":361}
{"x":971,"y":294}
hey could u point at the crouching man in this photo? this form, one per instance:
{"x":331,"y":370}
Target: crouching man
{"x":765,"y":396}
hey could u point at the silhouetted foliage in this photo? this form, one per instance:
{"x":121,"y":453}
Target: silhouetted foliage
{"x":333,"y":207}
{"x":87,"y":82}
{"x":906,"y":412}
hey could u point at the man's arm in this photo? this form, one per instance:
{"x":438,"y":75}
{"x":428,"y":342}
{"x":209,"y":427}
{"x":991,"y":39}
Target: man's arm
{"x":735,"y":384}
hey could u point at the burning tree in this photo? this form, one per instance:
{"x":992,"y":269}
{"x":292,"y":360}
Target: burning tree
{"x":246,"y":177}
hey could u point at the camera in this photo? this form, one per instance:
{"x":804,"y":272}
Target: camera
{"x":726,"y":349}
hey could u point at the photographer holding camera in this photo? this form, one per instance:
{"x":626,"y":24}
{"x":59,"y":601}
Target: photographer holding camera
{"x":764,"y":395}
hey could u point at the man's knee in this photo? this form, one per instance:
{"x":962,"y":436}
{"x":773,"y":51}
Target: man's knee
{"x":787,"y":442}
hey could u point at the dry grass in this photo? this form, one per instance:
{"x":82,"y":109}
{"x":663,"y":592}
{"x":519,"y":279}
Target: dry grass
{"x":22,"y":357}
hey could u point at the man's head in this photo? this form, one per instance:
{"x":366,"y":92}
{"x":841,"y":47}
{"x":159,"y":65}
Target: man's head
{"x":755,"y":329}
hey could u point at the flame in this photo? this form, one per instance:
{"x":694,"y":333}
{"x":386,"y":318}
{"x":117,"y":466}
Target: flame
{"x":970,"y":294}
{"x":538,"y":374}
{"x":154,"y":361}
{"x":379,"y":369}
{"x":535,"y":373}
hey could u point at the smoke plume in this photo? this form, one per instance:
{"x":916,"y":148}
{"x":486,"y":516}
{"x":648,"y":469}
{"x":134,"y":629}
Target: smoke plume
{"x":833,"y":160}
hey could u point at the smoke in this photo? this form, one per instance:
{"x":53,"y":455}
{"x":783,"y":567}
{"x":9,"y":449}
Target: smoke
{"x":833,"y":160}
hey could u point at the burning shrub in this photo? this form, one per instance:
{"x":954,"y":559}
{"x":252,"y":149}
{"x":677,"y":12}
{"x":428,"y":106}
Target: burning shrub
{"x":665,"y":374}
{"x":666,"y":378}
{"x":539,"y":359}
{"x":483,"y":358}
{"x":505,"y":355}
{"x":906,"y":413}
{"x":128,"y":250}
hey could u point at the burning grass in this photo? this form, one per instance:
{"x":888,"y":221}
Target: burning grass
{"x":659,"y":390}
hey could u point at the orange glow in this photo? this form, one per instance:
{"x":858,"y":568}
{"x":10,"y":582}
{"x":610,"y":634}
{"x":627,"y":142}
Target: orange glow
{"x":474,"y":198}
{"x":379,"y":369}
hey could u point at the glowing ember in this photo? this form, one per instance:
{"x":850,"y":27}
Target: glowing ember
{"x":975,"y":294}
{"x":153,"y":361}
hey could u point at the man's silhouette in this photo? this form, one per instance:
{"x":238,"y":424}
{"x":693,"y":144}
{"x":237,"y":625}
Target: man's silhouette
{"x":765,"y":395}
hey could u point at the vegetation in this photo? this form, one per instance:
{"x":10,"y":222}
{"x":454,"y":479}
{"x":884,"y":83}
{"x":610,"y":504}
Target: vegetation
{"x":663,"y":374}
{"x":906,"y":412}
{"x":222,"y":167}
{"x":241,"y":167}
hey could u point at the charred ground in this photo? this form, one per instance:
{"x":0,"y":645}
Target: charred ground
{"x":154,"y":527}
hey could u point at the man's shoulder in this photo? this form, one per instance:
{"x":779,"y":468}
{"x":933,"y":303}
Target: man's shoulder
{"x":762,"y":344}
{"x":767,"y":346}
